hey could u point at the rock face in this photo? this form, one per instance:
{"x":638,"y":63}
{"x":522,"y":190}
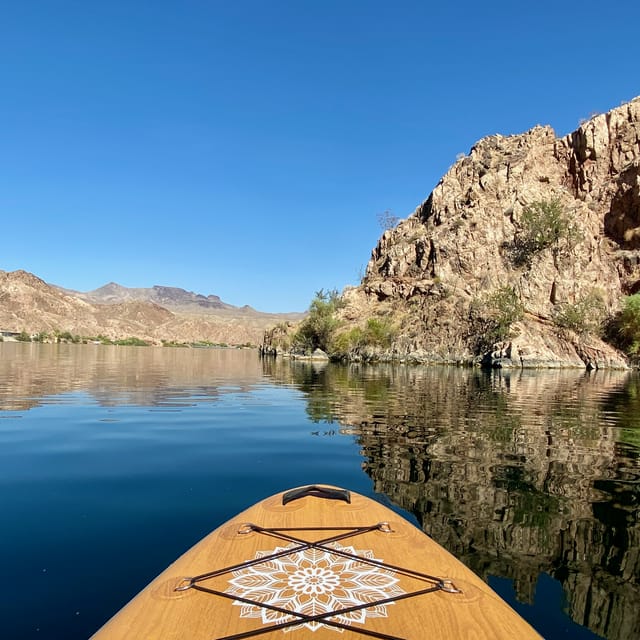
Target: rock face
{"x":29,"y":304}
{"x":459,"y":247}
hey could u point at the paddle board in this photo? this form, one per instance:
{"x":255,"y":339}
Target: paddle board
{"x":316,"y":562}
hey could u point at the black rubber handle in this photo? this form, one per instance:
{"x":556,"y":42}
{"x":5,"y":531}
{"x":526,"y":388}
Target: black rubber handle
{"x":319,"y":492}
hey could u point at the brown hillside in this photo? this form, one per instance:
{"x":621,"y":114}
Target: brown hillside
{"x":29,"y":304}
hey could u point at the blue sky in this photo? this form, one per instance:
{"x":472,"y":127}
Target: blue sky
{"x":245,"y":148}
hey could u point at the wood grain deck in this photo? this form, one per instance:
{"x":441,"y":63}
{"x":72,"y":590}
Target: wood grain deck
{"x":315,"y":579}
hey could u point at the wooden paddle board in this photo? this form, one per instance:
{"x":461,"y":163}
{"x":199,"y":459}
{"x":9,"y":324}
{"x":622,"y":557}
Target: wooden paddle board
{"x":316,"y":562}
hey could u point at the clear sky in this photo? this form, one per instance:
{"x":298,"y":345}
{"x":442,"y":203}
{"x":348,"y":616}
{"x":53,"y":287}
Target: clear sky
{"x":245,"y":148}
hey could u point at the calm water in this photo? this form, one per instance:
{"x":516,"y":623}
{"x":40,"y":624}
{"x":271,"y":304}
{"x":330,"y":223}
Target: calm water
{"x":114,"y":460}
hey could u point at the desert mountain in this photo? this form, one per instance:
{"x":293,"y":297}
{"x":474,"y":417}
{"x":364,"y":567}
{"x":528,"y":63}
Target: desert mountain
{"x":29,"y":304}
{"x":518,"y":257}
{"x":173,"y":298}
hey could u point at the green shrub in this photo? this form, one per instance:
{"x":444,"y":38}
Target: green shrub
{"x":504,"y":308}
{"x":544,"y":225}
{"x":66,"y":335}
{"x":378,"y":332}
{"x":132,"y":342}
{"x":346,"y":341}
{"x":585,"y":316}
{"x":490,"y":319}
{"x":23,"y":337}
{"x":628,"y":324}
{"x":317,"y":330}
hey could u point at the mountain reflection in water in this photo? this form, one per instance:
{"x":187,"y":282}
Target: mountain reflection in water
{"x":517,"y":474}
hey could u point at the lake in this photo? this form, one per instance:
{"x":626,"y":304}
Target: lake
{"x":114,"y":460}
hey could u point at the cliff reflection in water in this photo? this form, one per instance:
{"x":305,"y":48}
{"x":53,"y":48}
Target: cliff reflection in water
{"x":517,"y":475}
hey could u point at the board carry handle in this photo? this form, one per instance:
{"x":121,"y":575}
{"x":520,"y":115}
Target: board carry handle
{"x":328,"y":493}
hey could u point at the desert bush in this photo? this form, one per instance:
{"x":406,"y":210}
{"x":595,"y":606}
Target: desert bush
{"x":132,"y":342}
{"x":377,"y":332}
{"x":387,"y":220}
{"x":628,"y":325}
{"x":66,"y":336}
{"x":585,"y":316}
{"x":346,"y":341}
{"x":543,"y":225}
{"x":317,"y":330}
{"x":491,"y":318}
{"x":504,"y":308}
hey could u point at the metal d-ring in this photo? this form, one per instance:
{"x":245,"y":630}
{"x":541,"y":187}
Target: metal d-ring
{"x":246,"y":528}
{"x":446,"y":585}
{"x":185,"y":584}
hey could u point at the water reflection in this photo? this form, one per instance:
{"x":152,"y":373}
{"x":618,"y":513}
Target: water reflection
{"x":529,"y":476}
{"x":518,"y":475}
{"x":144,"y":376}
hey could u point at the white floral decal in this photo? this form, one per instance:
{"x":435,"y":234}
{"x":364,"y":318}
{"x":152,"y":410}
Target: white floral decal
{"x":313,"y":582}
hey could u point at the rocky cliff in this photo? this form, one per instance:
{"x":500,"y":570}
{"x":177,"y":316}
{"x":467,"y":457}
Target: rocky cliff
{"x":435,"y":275}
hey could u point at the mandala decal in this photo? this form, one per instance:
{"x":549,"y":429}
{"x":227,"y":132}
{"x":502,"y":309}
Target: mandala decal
{"x":313,"y":582}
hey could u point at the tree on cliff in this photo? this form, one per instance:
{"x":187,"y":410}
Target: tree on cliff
{"x":318,"y":328}
{"x":544,"y":224}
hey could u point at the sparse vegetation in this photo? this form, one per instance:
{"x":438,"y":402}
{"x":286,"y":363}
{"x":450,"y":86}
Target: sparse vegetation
{"x":377,"y":332}
{"x":131,"y":342}
{"x":505,"y":308}
{"x":66,"y":336}
{"x":586,"y":316}
{"x":346,"y":341}
{"x":201,"y":344}
{"x":544,"y":225}
{"x":492,"y":318}
{"x":23,"y":337}
{"x":387,"y":220}
{"x":627,"y":325}
{"x":317,"y":330}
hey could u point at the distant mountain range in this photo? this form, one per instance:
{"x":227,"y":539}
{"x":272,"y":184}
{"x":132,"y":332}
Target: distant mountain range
{"x":172,"y":298}
{"x":156,"y":314}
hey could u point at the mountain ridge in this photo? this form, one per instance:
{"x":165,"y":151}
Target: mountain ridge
{"x":171,"y":297}
{"x":29,"y":304}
